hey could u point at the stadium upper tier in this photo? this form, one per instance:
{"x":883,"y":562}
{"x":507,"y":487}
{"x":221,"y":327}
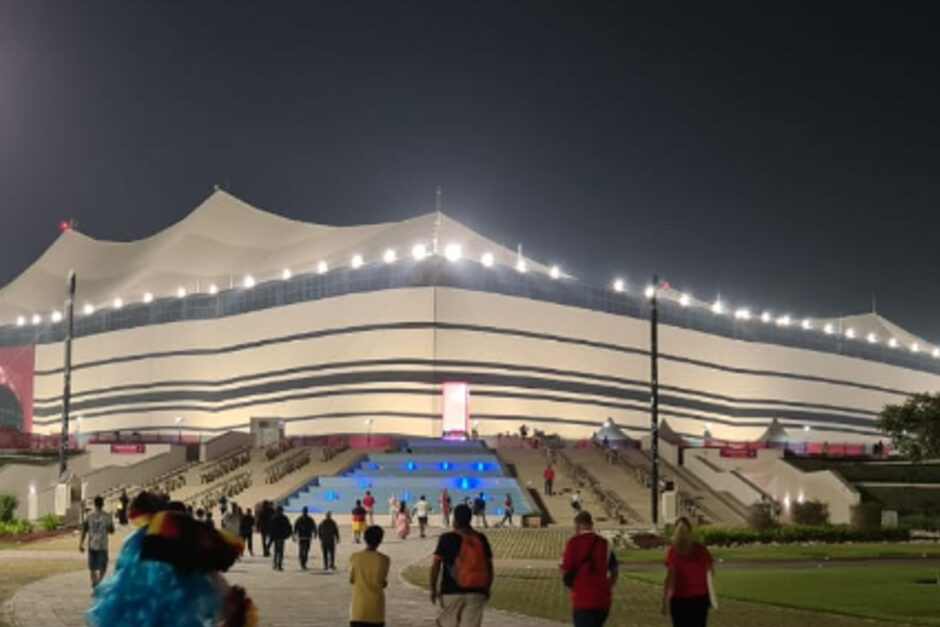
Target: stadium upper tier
{"x":235,"y":313}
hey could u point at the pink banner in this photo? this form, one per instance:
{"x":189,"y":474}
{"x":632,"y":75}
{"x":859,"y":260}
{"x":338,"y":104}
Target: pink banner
{"x":128,"y":448}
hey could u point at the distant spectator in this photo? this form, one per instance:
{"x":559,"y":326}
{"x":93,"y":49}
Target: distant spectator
{"x":368,"y":574}
{"x":403,"y":521}
{"x":576,"y":501}
{"x":223,"y":504}
{"x":461,"y":573}
{"x":328,"y":532}
{"x":247,"y":530}
{"x":305,"y":530}
{"x":445,"y":508}
{"x":421,"y":513}
{"x":280,"y":531}
{"x":97,"y":527}
{"x":507,"y":512}
{"x":209,"y":520}
{"x":369,"y":504}
{"x":549,"y":476}
{"x":265,"y":514}
{"x":479,"y":510}
{"x":523,"y":431}
{"x":590,"y":570}
{"x":232,"y":520}
{"x":686,"y":593}
{"x":358,"y":521}
{"x":123,"y":502}
{"x":392,"y":509}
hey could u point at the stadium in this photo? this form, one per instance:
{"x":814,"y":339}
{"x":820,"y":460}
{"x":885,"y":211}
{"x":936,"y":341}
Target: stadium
{"x":235,"y":314}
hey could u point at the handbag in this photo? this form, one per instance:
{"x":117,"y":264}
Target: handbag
{"x":568,"y":577}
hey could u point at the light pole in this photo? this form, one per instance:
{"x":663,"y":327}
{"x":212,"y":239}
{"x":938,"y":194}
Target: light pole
{"x":67,"y":370}
{"x":368,"y":432}
{"x":654,"y":401}
{"x":179,"y":428}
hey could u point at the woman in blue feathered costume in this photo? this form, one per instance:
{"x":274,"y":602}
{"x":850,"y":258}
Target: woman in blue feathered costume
{"x":168,"y":573}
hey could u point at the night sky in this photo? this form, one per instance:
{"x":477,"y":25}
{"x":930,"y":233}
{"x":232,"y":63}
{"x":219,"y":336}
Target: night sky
{"x":784,"y":154}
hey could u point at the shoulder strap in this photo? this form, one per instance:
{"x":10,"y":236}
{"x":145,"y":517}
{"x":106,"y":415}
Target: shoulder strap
{"x":590,"y":554}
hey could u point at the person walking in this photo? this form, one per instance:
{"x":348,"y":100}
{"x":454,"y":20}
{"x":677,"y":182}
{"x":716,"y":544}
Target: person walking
{"x":462,"y":573}
{"x":223,"y":505}
{"x":479,"y":510}
{"x":368,"y":502}
{"x":368,"y":574}
{"x":590,"y":569}
{"x":445,"y":508}
{"x":358,"y":521}
{"x":422,"y":508}
{"x":246,"y":529}
{"x":305,"y":529}
{"x":265,"y":514}
{"x":328,"y":533}
{"x":687,"y":593}
{"x":123,"y":502}
{"x":280,"y":530}
{"x":392,"y":510}
{"x":507,"y":511}
{"x":576,"y":501}
{"x":549,"y":476}
{"x":97,"y":527}
{"x":232,"y":520}
{"x":403,"y":521}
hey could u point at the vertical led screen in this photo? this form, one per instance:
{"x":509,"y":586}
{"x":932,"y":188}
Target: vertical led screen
{"x":456,"y":410}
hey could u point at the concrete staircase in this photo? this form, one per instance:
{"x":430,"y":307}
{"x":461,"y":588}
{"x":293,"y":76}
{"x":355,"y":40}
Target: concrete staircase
{"x":616,"y":478}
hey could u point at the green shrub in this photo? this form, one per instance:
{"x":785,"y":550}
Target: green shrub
{"x":760,"y":517}
{"x":916,"y":522}
{"x":51,"y":522}
{"x":8,"y":505}
{"x":812,"y":513}
{"x":788,"y":534}
{"x":15,"y":528}
{"x":866,"y":516}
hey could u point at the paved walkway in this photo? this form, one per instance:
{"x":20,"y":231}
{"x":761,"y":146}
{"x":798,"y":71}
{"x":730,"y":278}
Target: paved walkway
{"x":288,"y":598}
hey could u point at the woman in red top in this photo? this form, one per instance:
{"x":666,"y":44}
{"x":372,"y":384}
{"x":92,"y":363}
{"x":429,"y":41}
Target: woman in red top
{"x":686,"y":595}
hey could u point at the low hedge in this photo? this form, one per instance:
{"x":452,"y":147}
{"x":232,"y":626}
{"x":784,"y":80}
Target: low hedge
{"x":789,"y":534}
{"x":15,"y":528}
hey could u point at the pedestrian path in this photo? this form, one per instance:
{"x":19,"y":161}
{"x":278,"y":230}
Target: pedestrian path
{"x":290,"y":598}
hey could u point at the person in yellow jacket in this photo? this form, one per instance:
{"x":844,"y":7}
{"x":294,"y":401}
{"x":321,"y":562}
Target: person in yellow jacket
{"x":368,"y":574}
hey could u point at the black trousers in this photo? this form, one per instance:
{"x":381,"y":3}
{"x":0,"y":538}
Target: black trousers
{"x":248,"y":539}
{"x":548,"y":487}
{"x":279,"y":553}
{"x":689,"y":612}
{"x":589,"y":618}
{"x":329,"y":554}
{"x":266,"y":544}
{"x":304,"y":544}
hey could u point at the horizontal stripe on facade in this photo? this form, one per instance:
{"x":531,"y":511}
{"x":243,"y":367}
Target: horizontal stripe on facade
{"x":442,"y":326}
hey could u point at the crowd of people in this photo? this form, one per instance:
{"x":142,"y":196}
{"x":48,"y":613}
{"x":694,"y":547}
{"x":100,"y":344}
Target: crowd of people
{"x":461,"y":575}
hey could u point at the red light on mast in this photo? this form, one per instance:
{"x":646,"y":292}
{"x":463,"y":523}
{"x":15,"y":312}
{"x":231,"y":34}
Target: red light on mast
{"x":65,"y":225}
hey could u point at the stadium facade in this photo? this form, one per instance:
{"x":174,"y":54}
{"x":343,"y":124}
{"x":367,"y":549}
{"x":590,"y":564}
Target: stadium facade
{"x":235,"y":313}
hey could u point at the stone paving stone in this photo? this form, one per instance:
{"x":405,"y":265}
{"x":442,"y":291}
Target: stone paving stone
{"x":290,"y":598}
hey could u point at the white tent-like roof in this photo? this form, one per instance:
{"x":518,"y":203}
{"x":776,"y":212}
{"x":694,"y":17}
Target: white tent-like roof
{"x":220,"y":243}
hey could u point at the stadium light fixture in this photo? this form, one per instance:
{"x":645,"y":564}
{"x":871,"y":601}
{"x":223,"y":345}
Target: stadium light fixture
{"x":88,"y":309}
{"x":936,"y":353}
{"x":806,"y":428}
{"x":555,"y":272}
{"x":118,"y":302}
{"x":487,"y":260}
{"x":893,"y":343}
{"x":419,"y":252}
{"x":20,"y":321}
{"x":357,"y":262}
{"x":872,"y":338}
{"x":56,"y":316}
{"x":148,"y":297}
{"x":828,"y":329}
{"x":213,"y":289}
{"x":718,"y":307}
{"x":619,"y":285}
{"x":742,"y":313}
{"x":521,"y":266}
{"x":390,"y":256}
{"x":322,"y":267}
{"x":181,"y":292}
{"x":36,"y":319}
{"x":766,"y":317}
{"x":915,"y":347}
{"x":807,"y":324}
{"x":649,"y":291}
{"x":685,"y":300}
{"x":286,"y":274}
{"x":248,"y":282}
{"x":784,"y":320}
{"x":453,"y":252}
{"x":850,"y":333}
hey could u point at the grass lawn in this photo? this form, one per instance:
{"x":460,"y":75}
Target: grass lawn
{"x":539,"y":592}
{"x":799,"y":552}
{"x":883,"y":592}
{"x":14,"y":574}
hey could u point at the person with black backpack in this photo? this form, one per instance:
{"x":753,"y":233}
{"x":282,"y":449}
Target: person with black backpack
{"x":461,"y":573}
{"x":589,"y":569}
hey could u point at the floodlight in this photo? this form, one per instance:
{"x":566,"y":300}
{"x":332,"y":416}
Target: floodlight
{"x":148,"y":297}
{"x":453,"y":252}
{"x":555,"y":272}
{"x":118,"y":302}
{"x":619,"y":285}
{"x":357,"y":261}
{"x":88,"y":309}
{"x":286,"y":274}
{"x":487,"y":260}
{"x":248,"y":282}
{"x":390,"y":256}
{"x":419,"y":252}
{"x":322,"y":267}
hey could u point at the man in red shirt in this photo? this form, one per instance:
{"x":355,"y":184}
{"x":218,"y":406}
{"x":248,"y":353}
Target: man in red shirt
{"x":549,"y":476}
{"x":595,"y":569}
{"x":369,"y":503}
